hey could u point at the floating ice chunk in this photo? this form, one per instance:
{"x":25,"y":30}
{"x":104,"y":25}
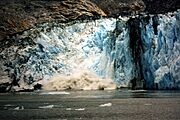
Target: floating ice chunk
{"x":106,"y":105}
{"x":68,"y":109}
{"x":55,"y":93}
{"x":46,"y":107}
{"x":16,"y":108}
{"x":9,"y":105}
{"x":94,"y":96}
{"x":147,"y":104}
{"x":136,"y":91}
{"x":19,"y":108}
{"x":80,"y":109}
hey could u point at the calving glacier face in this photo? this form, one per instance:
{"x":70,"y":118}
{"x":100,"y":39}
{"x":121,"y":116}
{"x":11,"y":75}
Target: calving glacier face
{"x":100,"y":47}
{"x":161,"y":57}
{"x":131,"y":52}
{"x":81,"y":47}
{"x":61,"y":50}
{"x":124,"y":66}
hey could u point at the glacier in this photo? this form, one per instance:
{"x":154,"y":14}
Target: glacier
{"x":137,"y":52}
{"x":161,"y":51}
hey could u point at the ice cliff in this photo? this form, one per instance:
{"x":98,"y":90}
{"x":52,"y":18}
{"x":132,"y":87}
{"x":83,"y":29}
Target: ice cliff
{"x":136,"y":52}
{"x":160,"y":58}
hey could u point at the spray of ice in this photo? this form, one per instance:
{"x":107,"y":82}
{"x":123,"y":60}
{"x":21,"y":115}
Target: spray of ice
{"x":84,"y":80}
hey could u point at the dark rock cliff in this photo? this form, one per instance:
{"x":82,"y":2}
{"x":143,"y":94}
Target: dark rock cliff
{"x":20,"y":15}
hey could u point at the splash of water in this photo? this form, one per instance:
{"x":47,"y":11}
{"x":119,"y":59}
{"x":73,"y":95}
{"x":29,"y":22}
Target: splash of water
{"x":80,"y":80}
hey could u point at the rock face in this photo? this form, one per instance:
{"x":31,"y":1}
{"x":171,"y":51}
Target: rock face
{"x":161,"y":6}
{"x":114,"y":8}
{"x":20,"y":15}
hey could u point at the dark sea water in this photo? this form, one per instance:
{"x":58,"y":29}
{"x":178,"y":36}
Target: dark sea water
{"x":116,"y":104}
